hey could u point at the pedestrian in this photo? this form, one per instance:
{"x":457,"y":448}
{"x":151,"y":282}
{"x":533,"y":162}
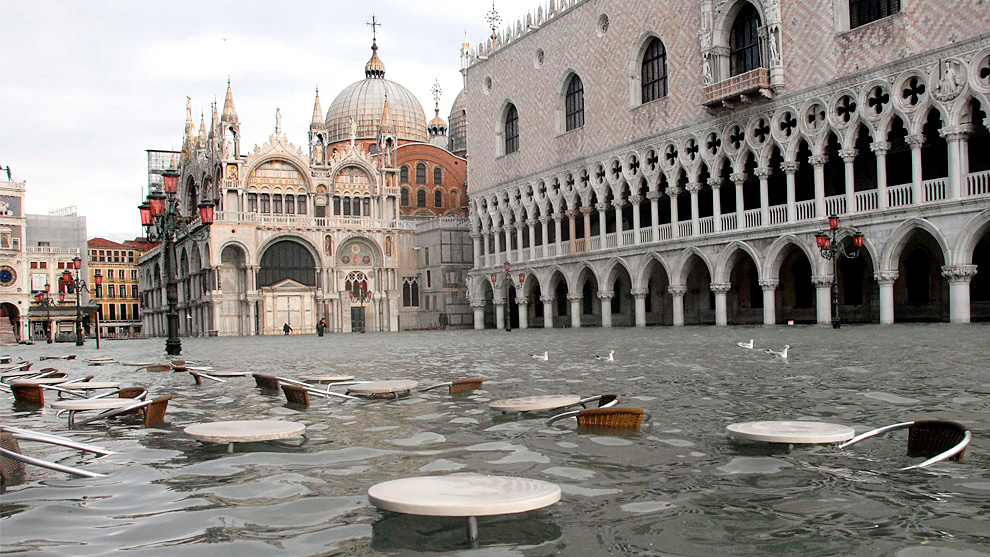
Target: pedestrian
{"x":286,"y":328}
{"x":321,"y":326}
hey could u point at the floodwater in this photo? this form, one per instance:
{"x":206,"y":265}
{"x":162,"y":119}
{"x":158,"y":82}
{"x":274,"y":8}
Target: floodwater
{"x":678,"y":487}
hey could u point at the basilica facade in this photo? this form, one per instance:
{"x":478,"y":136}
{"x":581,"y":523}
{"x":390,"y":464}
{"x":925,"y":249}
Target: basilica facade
{"x":363,"y":226}
{"x":638,"y":163}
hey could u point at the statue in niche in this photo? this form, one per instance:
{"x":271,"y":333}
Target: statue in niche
{"x":278,"y":121}
{"x":388,"y":246}
{"x":353,"y":130}
{"x":949,"y":85}
{"x":328,"y":244}
{"x":706,"y":69}
{"x":774,"y":53}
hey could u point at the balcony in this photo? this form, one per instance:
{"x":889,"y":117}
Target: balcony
{"x":738,"y":88}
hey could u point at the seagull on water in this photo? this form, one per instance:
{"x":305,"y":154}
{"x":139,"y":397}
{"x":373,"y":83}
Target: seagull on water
{"x":543,"y":357}
{"x":609,"y":358}
{"x":782,"y":354}
{"x":746,"y":344}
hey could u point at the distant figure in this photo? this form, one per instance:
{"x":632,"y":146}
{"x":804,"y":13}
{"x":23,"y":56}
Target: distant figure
{"x":321,"y":326}
{"x":286,"y":329}
{"x":443,"y":320}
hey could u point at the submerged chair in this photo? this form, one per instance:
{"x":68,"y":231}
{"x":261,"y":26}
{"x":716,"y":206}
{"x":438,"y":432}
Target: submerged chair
{"x":266,"y":381}
{"x":458,"y":385}
{"x":12,"y":460}
{"x":936,"y":440}
{"x":607,"y":416}
{"x":154,"y":411}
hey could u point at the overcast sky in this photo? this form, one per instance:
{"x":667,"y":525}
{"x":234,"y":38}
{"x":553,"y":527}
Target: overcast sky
{"x":86,"y":87}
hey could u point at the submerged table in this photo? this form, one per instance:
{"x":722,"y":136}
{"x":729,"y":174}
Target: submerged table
{"x":325,"y":378}
{"x":18,"y":373}
{"x":81,"y":404}
{"x":91,"y":385}
{"x":230,"y":373}
{"x":244,"y":431}
{"x":42,"y":381}
{"x":536,"y":402}
{"x":792,"y":432}
{"x":464,"y":495}
{"x":373,"y":388}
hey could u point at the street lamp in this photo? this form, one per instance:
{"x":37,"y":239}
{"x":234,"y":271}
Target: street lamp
{"x":162,"y":218}
{"x":507,"y":280}
{"x":74,"y":284}
{"x":831,"y":249}
{"x":45,"y":299}
{"x":359,"y":292}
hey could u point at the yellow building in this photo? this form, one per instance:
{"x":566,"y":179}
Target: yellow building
{"x":117,"y":297}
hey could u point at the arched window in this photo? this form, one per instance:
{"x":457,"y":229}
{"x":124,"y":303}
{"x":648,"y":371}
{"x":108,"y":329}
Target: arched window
{"x":336,"y":205}
{"x":290,"y":204}
{"x":421,"y":198}
{"x":266,"y":201}
{"x":437,"y":175}
{"x":744,"y":43}
{"x":421,"y":173}
{"x":862,"y":12}
{"x":438,"y":198}
{"x":277,"y":203}
{"x":511,"y":129}
{"x":301,"y":203}
{"x":455,"y":199}
{"x":654,"y":75}
{"x":404,"y":201}
{"x":347,"y":206}
{"x":574,"y":104}
{"x":404,"y":174}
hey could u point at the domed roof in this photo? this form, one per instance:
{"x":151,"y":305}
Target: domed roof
{"x":365,"y":100}
{"x":457,"y":132}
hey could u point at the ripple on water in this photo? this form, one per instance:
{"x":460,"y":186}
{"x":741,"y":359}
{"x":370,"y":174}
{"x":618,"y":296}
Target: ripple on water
{"x":610,"y":441}
{"x":441,"y":465}
{"x":677,"y":442}
{"x":569,"y":473}
{"x":892,"y":398}
{"x":425,"y":438}
{"x":648,"y":506}
{"x":754,"y":465}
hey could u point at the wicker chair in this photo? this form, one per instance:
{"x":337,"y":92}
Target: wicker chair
{"x":615,"y":417}
{"x":28,"y":395}
{"x":458,"y":385}
{"x":154,"y":413}
{"x":159,"y":367}
{"x":11,"y":471}
{"x":269,"y":382}
{"x":295,"y":394}
{"x":936,"y":440}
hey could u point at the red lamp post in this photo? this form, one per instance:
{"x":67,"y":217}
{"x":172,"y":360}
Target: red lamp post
{"x":832,"y":249}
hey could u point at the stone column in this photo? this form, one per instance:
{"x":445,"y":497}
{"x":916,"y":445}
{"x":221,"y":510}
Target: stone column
{"x":763,"y":173}
{"x":617,"y":204}
{"x":721,"y":289}
{"x":715,"y":182}
{"x":677,"y":294}
{"x":547,"y":311}
{"x":955,"y":138}
{"x":602,"y":225}
{"x":606,"y":303}
{"x":497,"y":232}
{"x":849,"y":157}
{"x":818,"y":164}
{"x":959,"y":277}
{"x":790,"y":169}
{"x":531,"y":223}
{"x":478,"y":258}
{"x":769,"y":287}
{"x":915,"y":141}
{"x":500,"y":315}
{"x":738,"y":178}
{"x":523,"y":306}
{"x":654,"y":197}
{"x":479,"y":315}
{"x":693,"y":188}
{"x":823,"y":295}
{"x":544,"y":220}
{"x":635,"y":200}
{"x":485,"y":236}
{"x":672,"y":193}
{"x":886,"y":281}
{"x":572,"y":228}
{"x":519,"y":240}
{"x":880,"y":149}
{"x":575,"y":300}
{"x":557,"y":217}
{"x":639,"y":299}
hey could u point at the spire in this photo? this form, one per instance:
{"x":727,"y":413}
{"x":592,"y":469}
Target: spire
{"x":215,"y":119}
{"x":203,"y":134}
{"x":375,"y":67}
{"x":317,"y":123}
{"x":190,"y":127}
{"x":437,"y":125}
{"x":229,"y":112}
{"x":386,"y":121}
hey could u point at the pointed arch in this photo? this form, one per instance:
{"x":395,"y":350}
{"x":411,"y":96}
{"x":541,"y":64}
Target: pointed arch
{"x":777,"y":251}
{"x":681,"y":270}
{"x":895,"y":243}
{"x":729,"y":257}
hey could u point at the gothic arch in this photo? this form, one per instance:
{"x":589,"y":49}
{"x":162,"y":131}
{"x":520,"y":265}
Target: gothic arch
{"x":776,"y":252}
{"x":298,"y":238}
{"x":297,"y":164}
{"x":611,"y":268}
{"x":728,"y":258}
{"x":679,"y":276}
{"x":895,"y":243}
{"x":972,"y":232}
{"x":644,"y":271}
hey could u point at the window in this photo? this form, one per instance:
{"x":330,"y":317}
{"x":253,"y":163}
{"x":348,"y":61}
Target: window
{"x":123,"y":312}
{"x":356,"y":207}
{"x":438,"y":198}
{"x":336,"y":205}
{"x":98,"y":291}
{"x":654,"y":71}
{"x":113,"y":311}
{"x":404,"y":200}
{"x":421,"y":198}
{"x":134,"y":291}
{"x":744,"y":43}
{"x":429,"y":279}
{"x":252,"y":203}
{"x":266,"y":203}
{"x":134,"y":312}
{"x":574,"y":104}
{"x":290,"y":204}
{"x":511,"y":129}
{"x":111,"y":291}
{"x":421,"y":173}
{"x":367,"y":206}
{"x":437,"y":176}
{"x":410,"y":293}
{"x":347,"y":206}
{"x":277,"y":203}
{"x":301,"y":203}
{"x":120,"y":274}
{"x":862,"y":12}
{"x":404,"y":174}
{"x":134,"y":275}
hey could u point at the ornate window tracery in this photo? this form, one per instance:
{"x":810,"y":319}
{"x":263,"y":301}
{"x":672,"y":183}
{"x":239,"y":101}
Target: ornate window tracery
{"x":574,"y":104}
{"x":654,"y":76}
{"x":511,"y":129}
{"x":862,"y":12}
{"x":744,"y":41}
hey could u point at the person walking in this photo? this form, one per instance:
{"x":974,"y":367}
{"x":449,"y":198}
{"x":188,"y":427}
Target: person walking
{"x":286,"y":328}
{"x":321,"y":326}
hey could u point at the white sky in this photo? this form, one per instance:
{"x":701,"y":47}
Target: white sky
{"x":86,"y":87}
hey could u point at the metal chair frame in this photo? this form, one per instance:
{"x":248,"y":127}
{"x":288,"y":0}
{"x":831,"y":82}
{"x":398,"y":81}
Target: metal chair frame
{"x":955,"y":452}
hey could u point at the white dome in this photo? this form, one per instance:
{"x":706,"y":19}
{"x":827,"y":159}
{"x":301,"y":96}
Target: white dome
{"x":364,"y":102}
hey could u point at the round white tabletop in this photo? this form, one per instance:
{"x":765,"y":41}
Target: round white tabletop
{"x":325,"y":378}
{"x":229,"y":373}
{"x":792,"y":432}
{"x":137,"y":364}
{"x":463,"y":495}
{"x":93,"y":404}
{"x":536,"y":402}
{"x":42,"y":381}
{"x":244,"y":431}
{"x":372,"y":388}
{"x":90,"y":385}
{"x":20,"y":373}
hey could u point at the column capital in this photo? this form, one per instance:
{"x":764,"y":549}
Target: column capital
{"x":547,"y":299}
{"x":522,"y":301}
{"x":618,"y":203}
{"x":953,"y":133}
{"x":737,"y":178}
{"x":571,"y":213}
{"x":587,"y":210}
{"x":959,"y":273}
{"x":761,"y":172}
{"x":519,"y":225}
{"x":532,"y":222}
{"x":639,"y":293}
{"x":635,"y":199}
{"x":848,"y":155}
{"x":821,"y":281}
{"x":544,"y":219}
{"x":651,"y":195}
{"x":672,"y":191}
{"x":715,"y":182}
{"x":557,"y":216}
{"x":769,"y":284}
{"x":476,"y":235}
{"x":497,"y":229}
{"x":606,"y":295}
{"x":880,"y":147}
{"x":693,"y":188}
{"x":915,"y":140}
{"x":599,"y":206}
{"x":574,"y":297}
{"x":677,"y":289}
{"x":886,"y":277}
{"x":720,"y":287}
{"x":789,"y":167}
{"x":817,"y":160}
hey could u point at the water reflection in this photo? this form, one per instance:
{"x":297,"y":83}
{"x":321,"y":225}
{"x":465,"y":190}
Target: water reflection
{"x":680,"y":486}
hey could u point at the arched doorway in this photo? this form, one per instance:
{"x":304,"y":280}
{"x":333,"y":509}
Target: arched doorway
{"x":744,"y":303}
{"x":857,"y":289}
{"x":13,"y":319}
{"x":659,"y":310}
{"x":234,"y":312}
{"x":979,"y":286}
{"x":287,"y":281}
{"x":920,"y":291}
{"x":795,"y":294}
{"x":699,"y":300}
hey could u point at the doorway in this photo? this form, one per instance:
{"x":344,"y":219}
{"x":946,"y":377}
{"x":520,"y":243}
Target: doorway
{"x":357,"y":319}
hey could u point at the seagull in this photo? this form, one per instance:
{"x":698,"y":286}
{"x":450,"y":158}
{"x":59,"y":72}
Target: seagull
{"x":543,"y":357}
{"x":745,"y":344}
{"x":782,"y":354}
{"x":609,"y":358}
